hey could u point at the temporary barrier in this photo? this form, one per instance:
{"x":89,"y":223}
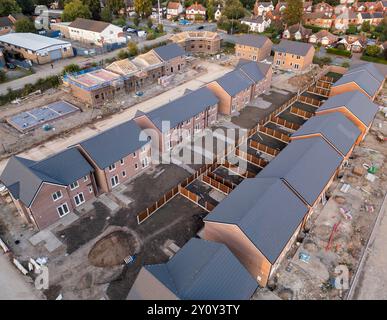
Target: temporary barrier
{"x":274,"y":133}
{"x":310,"y":101}
{"x":251,"y":158}
{"x":263,"y":148}
{"x":301,"y":113}
{"x":285,"y":123}
{"x":216,"y":184}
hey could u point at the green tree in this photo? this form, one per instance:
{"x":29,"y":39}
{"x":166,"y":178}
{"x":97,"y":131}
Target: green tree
{"x":8,"y":6}
{"x":3,"y":76}
{"x":248,"y":4}
{"x":210,"y":10}
{"x":75,"y":9}
{"x":132,"y":49}
{"x":94,"y":7}
{"x":136,"y":21}
{"x":123,"y":54}
{"x":293,"y":12}
{"x":385,"y":53}
{"x":352,"y":29}
{"x":143,"y":8}
{"x":160,"y":28}
{"x":149,"y":23}
{"x":43,"y":2}
{"x":233,"y":9}
{"x":27,"y":6}
{"x":71,"y":68}
{"x":115,"y":5}
{"x":25,"y":25}
{"x":106,"y":15}
{"x":366,"y":27}
{"x":372,"y":51}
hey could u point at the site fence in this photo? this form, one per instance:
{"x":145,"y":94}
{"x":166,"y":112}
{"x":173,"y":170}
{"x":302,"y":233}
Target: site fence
{"x":319,"y":91}
{"x":301,"y":113}
{"x":285,"y":123}
{"x":216,"y":184}
{"x":275,"y":134}
{"x":263,"y":148}
{"x":259,"y":162}
{"x":308,"y":100}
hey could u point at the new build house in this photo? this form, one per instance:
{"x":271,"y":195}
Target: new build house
{"x":95,"y":32}
{"x":117,"y":154}
{"x":258,"y":222}
{"x":340,"y":132}
{"x":355,"y":105}
{"x":36,"y":48}
{"x":299,"y":165}
{"x":206,"y":42}
{"x":252,"y":47}
{"x":47,"y":190}
{"x":233,"y":90}
{"x":173,"y":57}
{"x":293,"y":55}
{"x":365,"y":78}
{"x":200,"y":270}
{"x":189,"y":114}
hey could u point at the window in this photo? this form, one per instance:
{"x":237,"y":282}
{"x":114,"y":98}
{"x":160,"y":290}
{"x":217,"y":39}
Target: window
{"x":85,"y":178}
{"x":298,"y":57}
{"x":79,"y":199}
{"x":90,"y":189}
{"x":63,"y":210}
{"x":144,"y":162}
{"x":278,"y":62}
{"x":143,"y":148}
{"x":122,"y":161}
{"x":134,"y":154}
{"x":197,"y":127}
{"x":296,"y":66}
{"x":124,"y":174}
{"x":114,"y":181}
{"x":112,"y":167}
{"x":74,"y":185}
{"x":57,"y":195}
{"x":136,"y":166}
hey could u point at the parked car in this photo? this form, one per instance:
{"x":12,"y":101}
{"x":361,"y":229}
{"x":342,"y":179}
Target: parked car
{"x":200,"y":27}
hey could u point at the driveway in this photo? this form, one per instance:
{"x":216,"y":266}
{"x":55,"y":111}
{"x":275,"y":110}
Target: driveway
{"x":13,"y":285}
{"x":46,"y":70}
{"x":53,"y":146}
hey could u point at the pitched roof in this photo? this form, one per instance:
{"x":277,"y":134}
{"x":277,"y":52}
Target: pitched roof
{"x":334,"y":127}
{"x":169,"y":51}
{"x":252,"y":40}
{"x":370,"y":68}
{"x":23,"y":177}
{"x":293,"y":47}
{"x":255,"y":71}
{"x":234,"y":82}
{"x":31,"y":41}
{"x":196,"y":7}
{"x":204,"y":270}
{"x":87,"y":24}
{"x":325,"y":33}
{"x":356,"y":102}
{"x":5,"y":22}
{"x":114,"y":144}
{"x":298,"y":27}
{"x":266,"y":210}
{"x":300,"y":165}
{"x":173,"y":5}
{"x":183,"y":108}
{"x":363,"y":79}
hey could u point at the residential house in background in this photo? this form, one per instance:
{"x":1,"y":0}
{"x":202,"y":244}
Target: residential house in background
{"x":257,"y":24}
{"x":318,"y":19}
{"x":174,"y":9}
{"x":36,"y":48}
{"x":324,"y":7}
{"x":354,"y":43}
{"x":293,"y":55}
{"x":345,"y":18}
{"x":365,"y":78}
{"x":156,"y":11}
{"x":47,"y":190}
{"x":218,"y":13}
{"x":252,"y":47}
{"x":200,"y":270}
{"x":297,"y":32}
{"x":324,"y":37}
{"x":117,"y":154}
{"x":6,"y":25}
{"x":180,"y":119}
{"x":261,"y":8}
{"x":94,"y":32}
{"x":196,"y":11}
{"x":356,"y":106}
{"x":374,"y":18}
{"x":205,"y":42}
{"x":255,"y":224}
{"x":368,"y":6}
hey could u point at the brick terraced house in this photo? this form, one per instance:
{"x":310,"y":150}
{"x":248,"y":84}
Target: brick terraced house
{"x":252,"y":47}
{"x":193,"y":112}
{"x":292,"y":55}
{"x":45,"y":191}
{"x":117,"y":154}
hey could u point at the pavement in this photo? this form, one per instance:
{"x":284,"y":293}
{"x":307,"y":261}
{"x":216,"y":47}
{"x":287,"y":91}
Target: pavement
{"x":55,"y":145}
{"x":46,"y":70}
{"x":14,"y":285}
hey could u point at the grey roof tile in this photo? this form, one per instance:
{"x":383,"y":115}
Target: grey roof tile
{"x":256,"y":71}
{"x":234,"y":82}
{"x":252,"y":40}
{"x":266,"y":210}
{"x":169,"y":51}
{"x":335,"y":127}
{"x":293,"y":47}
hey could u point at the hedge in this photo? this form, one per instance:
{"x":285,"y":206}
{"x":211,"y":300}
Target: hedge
{"x":373,"y":59}
{"x":339,"y":52}
{"x":42,"y":84}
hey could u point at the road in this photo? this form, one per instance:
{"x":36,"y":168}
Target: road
{"x":46,"y":70}
{"x":13,"y":285}
{"x":371,"y":283}
{"x":51,"y":147}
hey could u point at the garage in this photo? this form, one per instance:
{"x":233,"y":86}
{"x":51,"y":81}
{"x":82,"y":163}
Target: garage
{"x":56,"y":54}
